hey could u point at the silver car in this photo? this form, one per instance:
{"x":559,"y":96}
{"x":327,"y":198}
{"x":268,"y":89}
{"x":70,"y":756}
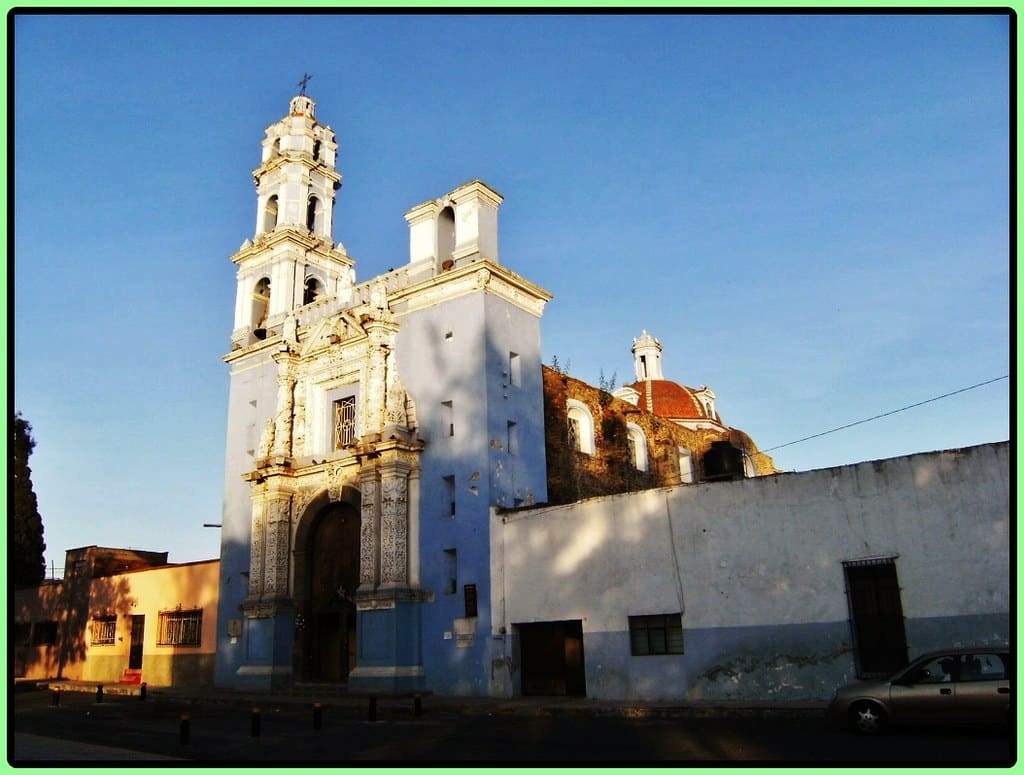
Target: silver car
{"x":960,"y":686}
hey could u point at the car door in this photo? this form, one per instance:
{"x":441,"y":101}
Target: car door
{"x":926,"y":692}
{"x":983,"y":688}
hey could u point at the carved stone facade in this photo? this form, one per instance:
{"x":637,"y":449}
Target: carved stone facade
{"x":288,"y":478}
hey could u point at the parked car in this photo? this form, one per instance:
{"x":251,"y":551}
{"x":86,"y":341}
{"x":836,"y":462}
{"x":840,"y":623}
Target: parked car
{"x":957,"y":686}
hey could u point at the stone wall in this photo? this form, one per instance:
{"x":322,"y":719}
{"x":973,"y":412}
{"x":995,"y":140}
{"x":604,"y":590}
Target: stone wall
{"x":573,"y":475}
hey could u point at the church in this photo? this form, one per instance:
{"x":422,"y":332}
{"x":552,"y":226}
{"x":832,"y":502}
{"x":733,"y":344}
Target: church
{"x":413,"y":502}
{"x":375,"y":427}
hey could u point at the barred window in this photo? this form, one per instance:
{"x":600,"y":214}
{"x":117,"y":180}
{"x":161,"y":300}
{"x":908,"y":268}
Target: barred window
{"x":574,"y":433}
{"x":44,"y":634}
{"x":344,"y":422}
{"x":104,"y":628}
{"x":181,"y":628}
{"x":659,"y":634}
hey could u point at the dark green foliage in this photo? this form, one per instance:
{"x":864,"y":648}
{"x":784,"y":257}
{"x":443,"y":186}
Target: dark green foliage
{"x":25,"y":526}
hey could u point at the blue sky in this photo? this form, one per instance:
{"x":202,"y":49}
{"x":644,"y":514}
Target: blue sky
{"x":810,"y":212}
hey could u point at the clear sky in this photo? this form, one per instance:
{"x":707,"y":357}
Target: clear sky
{"x":811,"y":213}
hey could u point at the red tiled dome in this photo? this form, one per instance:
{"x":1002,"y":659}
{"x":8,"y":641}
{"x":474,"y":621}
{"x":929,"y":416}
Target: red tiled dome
{"x":670,"y":400}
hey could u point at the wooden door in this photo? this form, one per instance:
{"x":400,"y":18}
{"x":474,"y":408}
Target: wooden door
{"x":877,"y":614}
{"x":135,"y":650}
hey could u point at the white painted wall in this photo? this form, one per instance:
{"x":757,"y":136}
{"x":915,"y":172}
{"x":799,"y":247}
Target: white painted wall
{"x":764,"y":552}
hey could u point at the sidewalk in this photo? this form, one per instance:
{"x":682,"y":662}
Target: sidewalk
{"x":519,"y":706}
{"x":38,"y":748}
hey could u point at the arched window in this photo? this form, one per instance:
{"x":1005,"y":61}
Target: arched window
{"x":312,"y":290}
{"x":312,"y":213}
{"x":445,"y":236}
{"x":260,"y":307}
{"x":270,"y":214}
{"x":316,"y":150}
{"x":637,"y":442}
{"x":580,"y":426}
{"x":686,"y":466}
{"x":275,"y":149}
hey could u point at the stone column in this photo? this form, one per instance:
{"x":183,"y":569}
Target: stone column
{"x":414,"y":527}
{"x":283,"y":419}
{"x":368,"y":545}
{"x":394,"y":526}
{"x":256,"y":549}
{"x":278,"y":532}
{"x":375,"y":386}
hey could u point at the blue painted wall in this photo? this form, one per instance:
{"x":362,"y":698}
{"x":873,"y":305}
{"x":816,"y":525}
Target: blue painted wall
{"x":253,"y":380}
{"x":471,"y":370}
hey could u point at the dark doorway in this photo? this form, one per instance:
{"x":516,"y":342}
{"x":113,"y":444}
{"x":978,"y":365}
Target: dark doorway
{"x":138,"y":635}
{"x":330,"y":633}
{"x":551,"y":654}
{"x":880,"y":640}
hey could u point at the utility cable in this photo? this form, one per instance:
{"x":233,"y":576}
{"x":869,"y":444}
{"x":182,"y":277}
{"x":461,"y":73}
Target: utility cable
{"x":886,"y":414}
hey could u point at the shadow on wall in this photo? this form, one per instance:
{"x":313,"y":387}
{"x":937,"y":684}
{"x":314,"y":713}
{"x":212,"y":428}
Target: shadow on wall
{"x":745,"y":654}
{"x":66,"y":605}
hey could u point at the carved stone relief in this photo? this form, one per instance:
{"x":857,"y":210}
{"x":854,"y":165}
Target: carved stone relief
{"x":394,"y":528}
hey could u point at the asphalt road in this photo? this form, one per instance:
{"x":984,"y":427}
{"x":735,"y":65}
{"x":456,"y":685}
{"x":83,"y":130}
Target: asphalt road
{"x":222,"y":732}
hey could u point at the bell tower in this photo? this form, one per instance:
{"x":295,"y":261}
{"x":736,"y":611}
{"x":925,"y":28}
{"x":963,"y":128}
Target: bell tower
{"x":291,"y":260}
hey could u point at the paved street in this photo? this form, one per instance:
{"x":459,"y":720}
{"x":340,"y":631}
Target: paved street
{"x":222,"y":732}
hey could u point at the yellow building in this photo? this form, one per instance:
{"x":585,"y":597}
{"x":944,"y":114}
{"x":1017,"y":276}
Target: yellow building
{"x":120,"y":616}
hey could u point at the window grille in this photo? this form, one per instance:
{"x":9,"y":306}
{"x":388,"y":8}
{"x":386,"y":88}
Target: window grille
{"x":344,"y":422}
{"x":104,"y":628}
{"x":574,"y":434}
{"x":658,"y":634}
{"x":181,"y":628}
{"x":44,"y":634}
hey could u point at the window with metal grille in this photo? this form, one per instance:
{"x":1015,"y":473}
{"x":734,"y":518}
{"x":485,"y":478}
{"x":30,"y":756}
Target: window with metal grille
{"x":181,"y":628}
{"x":658,"y":634}
{"x":44,"y":634}
{"x":104,"y":628}
{"x":574,"y":433}
{"x":344,"y":422}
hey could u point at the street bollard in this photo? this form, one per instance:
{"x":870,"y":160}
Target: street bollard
{"x":184,"y":729}
{"x":99,"y":693}
{"x":254,"y":725}
{"x":372,"y":716}
{"x":55,"y":698}
{"x":318,"y":715}
{"x":417,"y":705}
{"x":142,"y":691}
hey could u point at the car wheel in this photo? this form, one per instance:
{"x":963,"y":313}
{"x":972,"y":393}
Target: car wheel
{"x":867,"y":718}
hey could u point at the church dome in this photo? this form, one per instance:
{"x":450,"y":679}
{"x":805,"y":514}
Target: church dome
{"x":670,"y":400}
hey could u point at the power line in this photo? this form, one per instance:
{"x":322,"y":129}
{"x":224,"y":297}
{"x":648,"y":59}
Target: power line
{"x":886,"y":414}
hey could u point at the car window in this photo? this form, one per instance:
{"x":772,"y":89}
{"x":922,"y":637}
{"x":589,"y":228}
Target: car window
{"x":935,"y":671}
{"x":982,"y":667}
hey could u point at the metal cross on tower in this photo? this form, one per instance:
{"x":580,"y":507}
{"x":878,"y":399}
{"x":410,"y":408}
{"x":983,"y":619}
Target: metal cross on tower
{"x":306,"y":78}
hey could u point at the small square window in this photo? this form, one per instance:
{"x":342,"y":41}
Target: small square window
{"x":451,"y":563}
{"x":448,"y":336}
{"x":658,"y":634}
{"x":515,"y":377}
{"x":448,"y":417}
{"x":104,"y":628}
{"x":181,"y":628}
{"x":449,"y":488}
{"x":512,"y":438}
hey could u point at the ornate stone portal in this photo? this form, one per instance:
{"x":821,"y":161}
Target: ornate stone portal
{"x":288,"y":485}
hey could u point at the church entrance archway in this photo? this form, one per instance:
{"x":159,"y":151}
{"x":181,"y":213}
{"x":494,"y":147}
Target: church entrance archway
{"x":332,"y":554}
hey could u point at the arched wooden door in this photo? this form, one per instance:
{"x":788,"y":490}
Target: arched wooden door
{"x":333,"y":553}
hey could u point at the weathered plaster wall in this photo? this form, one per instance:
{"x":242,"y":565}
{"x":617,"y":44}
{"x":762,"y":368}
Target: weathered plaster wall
{"x":756,"y":568}
{"x":470,"y":370}
{"x":149,"y":592}
{"x":573,"y":475}
{"x":252,"y":400}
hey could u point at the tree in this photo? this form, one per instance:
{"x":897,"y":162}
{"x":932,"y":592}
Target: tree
{"x":26,"y":525}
